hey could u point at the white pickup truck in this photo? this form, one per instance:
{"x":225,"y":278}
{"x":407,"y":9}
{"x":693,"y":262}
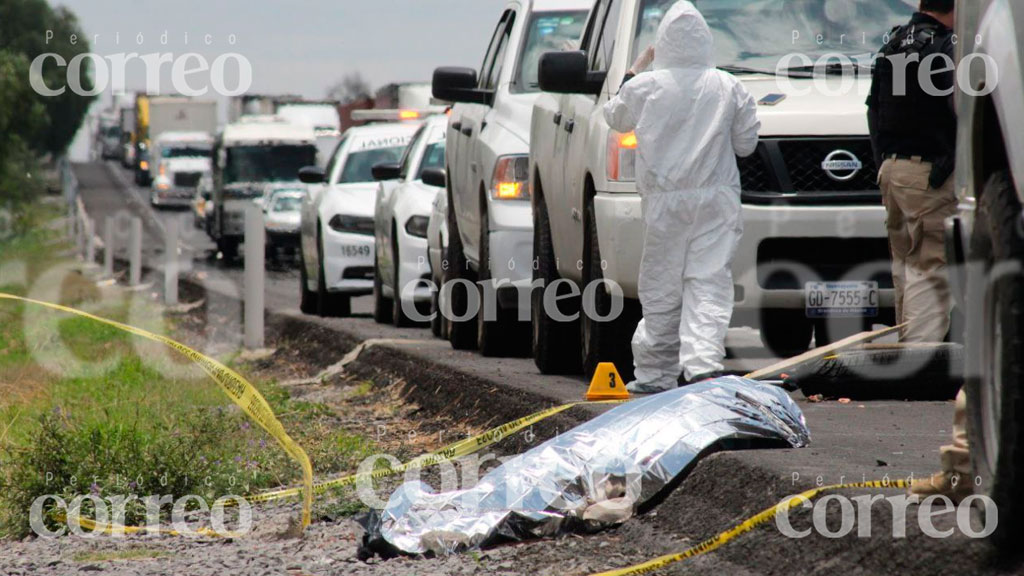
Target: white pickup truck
{"x":487,"y":151}
{"x":814,"y":222}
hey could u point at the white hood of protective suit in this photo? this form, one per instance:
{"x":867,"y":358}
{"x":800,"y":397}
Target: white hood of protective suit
{"x":691,"y":120}
{"x":683,"y":40}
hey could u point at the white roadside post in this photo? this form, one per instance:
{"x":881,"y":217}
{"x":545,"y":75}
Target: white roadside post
{"x":135,"y":254}
{"x":108,"y":248}
{"x":255,"y":273}
{"x":171,"y":262}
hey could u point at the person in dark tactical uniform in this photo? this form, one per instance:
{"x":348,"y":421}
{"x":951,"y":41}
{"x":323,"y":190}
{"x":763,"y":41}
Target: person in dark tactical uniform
{"x":913,"y":132}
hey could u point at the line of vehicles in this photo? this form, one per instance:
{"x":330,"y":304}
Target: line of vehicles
{"x":503,"y":188}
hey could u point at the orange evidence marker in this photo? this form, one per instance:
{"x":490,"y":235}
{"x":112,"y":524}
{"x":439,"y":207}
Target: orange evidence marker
{"x":607,"y":384}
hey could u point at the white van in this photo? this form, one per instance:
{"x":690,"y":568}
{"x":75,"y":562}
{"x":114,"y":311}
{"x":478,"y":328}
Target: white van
{"x":815,"y":225}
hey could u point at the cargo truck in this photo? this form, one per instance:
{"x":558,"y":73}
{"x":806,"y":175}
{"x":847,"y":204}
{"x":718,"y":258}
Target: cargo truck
{"x":253,"y":158}
{"x":155,"y":115}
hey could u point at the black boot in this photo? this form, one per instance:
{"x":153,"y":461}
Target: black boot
{"x":682,"y":381}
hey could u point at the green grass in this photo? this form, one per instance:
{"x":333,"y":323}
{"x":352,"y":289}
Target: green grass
{"x":86,"y":408}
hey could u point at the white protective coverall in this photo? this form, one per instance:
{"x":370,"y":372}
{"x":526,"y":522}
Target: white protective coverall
{"x":691,"y":121}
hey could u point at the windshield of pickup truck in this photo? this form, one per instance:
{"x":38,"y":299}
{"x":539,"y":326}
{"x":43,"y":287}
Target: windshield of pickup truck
{"x":756,"y":35}
{"x":267,"y":163}
{"x":186,"y":152}
{"x":548,"y":31}
{"x":359,"y":165}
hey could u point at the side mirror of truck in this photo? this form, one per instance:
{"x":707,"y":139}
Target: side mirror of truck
{"x":436,"y":177}
{"x":567,"y":73}
{"x":453,"y":84}
{"x":312,"y":175}
{"x":386,"y":171}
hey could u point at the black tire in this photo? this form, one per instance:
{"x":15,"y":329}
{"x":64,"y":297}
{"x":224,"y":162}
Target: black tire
{"x":556,"y":345}
{"x":462,"y":335}
{"x":436,"y":319}
{"x":785,"y":332}
{"x":900,"y":372}
{"x":382,"y":307}
{"x":995,"y":357}
{"x":505,"y":335}
{"x":328,"y":305}
{"x":609,"y":341}
{"x":228,"y":248}
{"x":398,"y":316}
{"x":308,"y":299}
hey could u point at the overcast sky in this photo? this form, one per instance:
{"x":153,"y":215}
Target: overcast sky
{"x":300,"y":46}
{"x":295,"y":47}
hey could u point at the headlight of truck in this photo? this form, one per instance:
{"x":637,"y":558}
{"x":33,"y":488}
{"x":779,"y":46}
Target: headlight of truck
{"x":621,"y":165}
{"x":417,"y":226}
{"x":511,"y":178}
{"x":352,"y":224}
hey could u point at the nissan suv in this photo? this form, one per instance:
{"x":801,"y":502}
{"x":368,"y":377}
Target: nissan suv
{"x":814,"y":255}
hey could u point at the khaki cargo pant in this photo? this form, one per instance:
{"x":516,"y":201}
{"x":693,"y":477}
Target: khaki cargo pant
{"x":915,"y":219}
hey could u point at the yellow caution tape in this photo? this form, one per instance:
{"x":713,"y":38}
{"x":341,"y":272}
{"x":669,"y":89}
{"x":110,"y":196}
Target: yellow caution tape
{"x":453,"y":451}
{"x":108,"y":528}
{"x":747,"y":525}
{"x":238,"y":389}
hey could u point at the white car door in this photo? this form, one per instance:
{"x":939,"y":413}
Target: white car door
{"x":473,"y":123}
{"x":598,"y":41}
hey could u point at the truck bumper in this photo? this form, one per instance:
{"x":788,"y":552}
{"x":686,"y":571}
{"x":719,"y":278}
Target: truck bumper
{"x":176,"y":197}
{"x":511,"y":251}
{"x":348,"y":262}
{"x":783,"y":248}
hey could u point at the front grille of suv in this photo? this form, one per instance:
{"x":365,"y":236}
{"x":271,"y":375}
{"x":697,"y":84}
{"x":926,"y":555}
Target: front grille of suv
{"x":790,"y":171}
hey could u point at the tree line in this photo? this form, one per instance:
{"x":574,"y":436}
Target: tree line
{"x":35,"y":129}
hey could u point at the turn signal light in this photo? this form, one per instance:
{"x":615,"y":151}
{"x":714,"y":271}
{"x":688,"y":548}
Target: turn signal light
{"x":511,"y":175}
{"x":621,"y":159}
{"x":509,"y":190}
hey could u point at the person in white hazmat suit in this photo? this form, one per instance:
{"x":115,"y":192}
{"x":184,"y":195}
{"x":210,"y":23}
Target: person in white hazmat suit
{"x":691,"y":121}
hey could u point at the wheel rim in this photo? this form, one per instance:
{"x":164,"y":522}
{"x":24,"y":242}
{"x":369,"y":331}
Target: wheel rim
{"x":992,"y":382}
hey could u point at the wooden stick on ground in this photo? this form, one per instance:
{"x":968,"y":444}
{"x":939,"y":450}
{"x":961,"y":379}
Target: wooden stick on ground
{"x":849,"y":342}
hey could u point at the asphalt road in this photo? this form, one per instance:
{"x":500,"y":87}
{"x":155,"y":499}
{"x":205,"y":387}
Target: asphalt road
{"x":851,"y":441}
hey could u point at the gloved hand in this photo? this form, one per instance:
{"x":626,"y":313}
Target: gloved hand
{"x":643,"y":62}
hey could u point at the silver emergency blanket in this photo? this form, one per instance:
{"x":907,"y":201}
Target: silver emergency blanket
{"x":592,"y":476}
